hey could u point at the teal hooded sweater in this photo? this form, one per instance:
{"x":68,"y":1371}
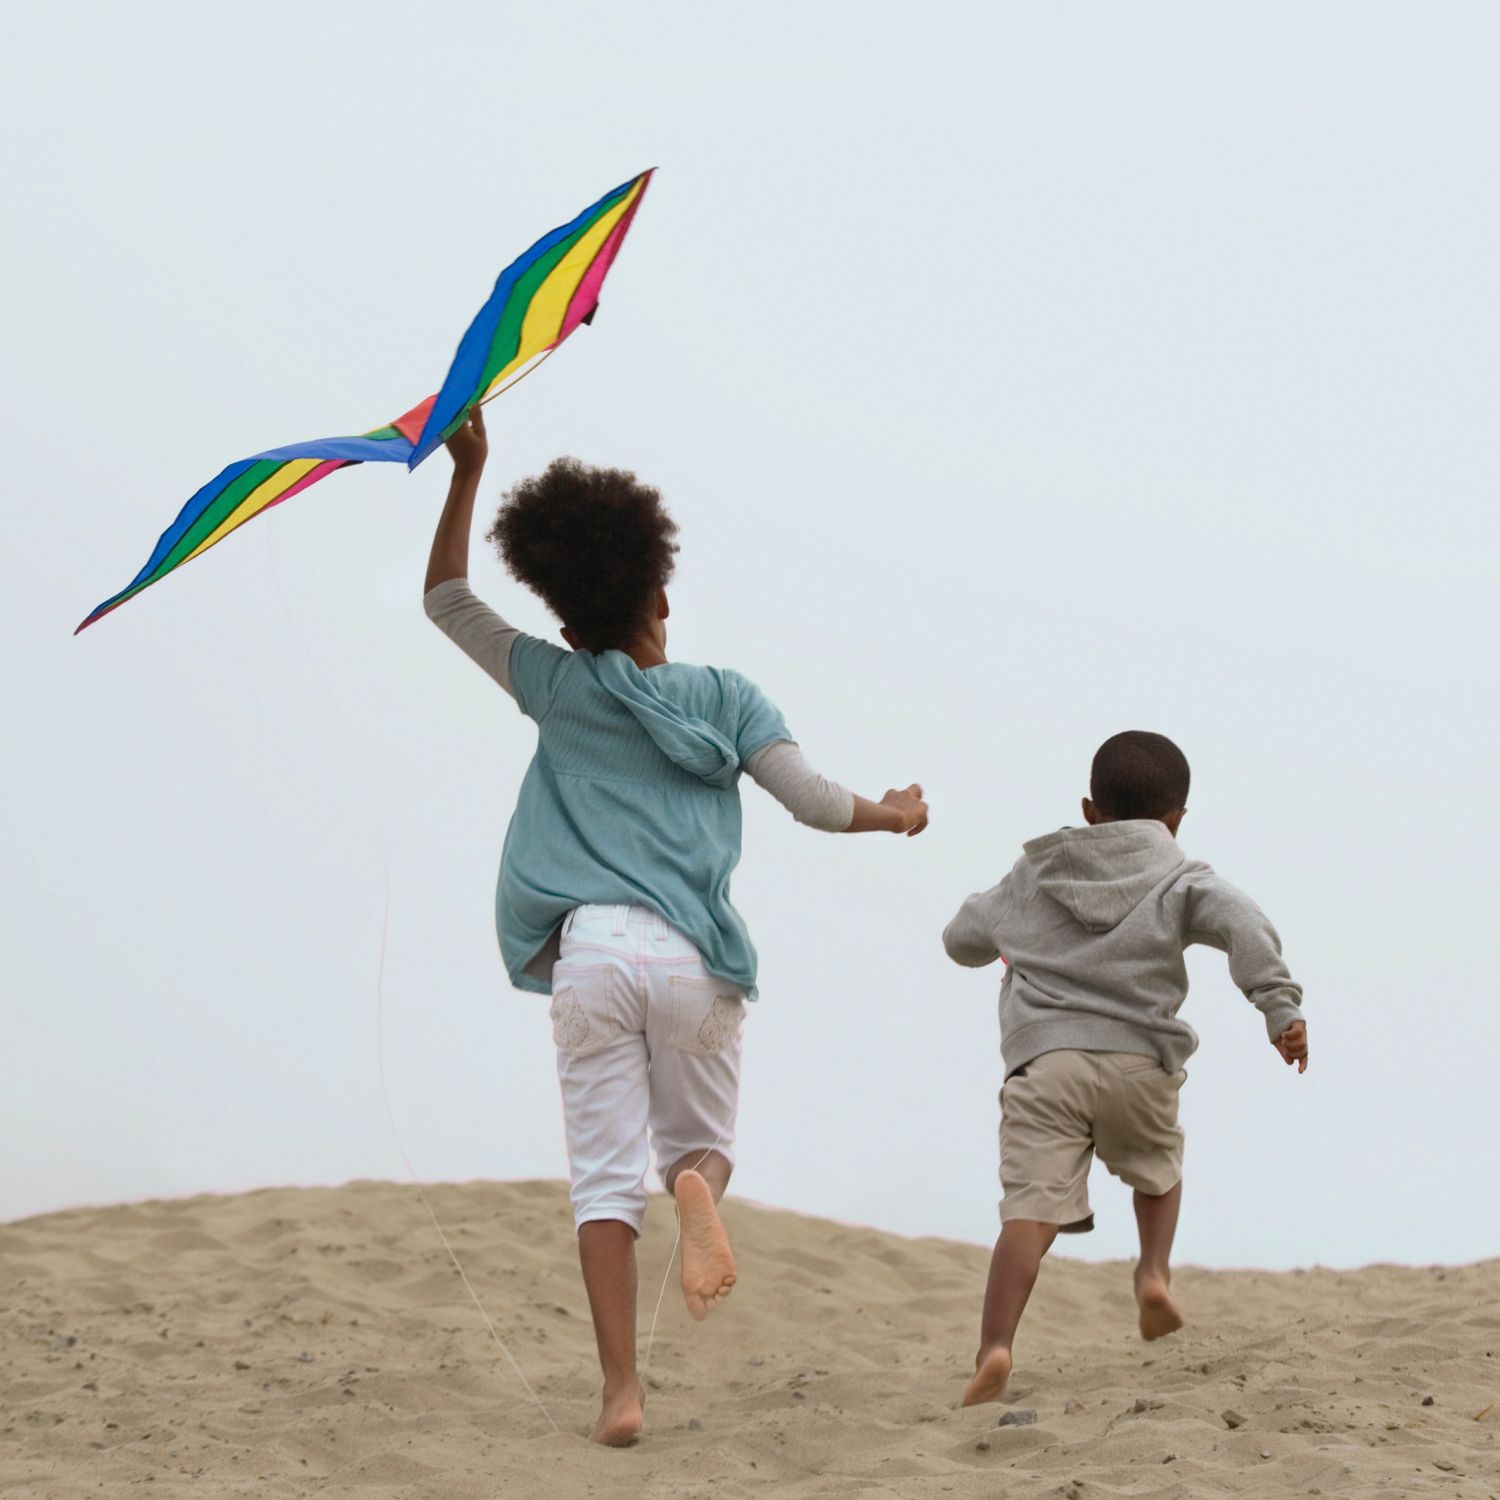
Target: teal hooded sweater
{"x":632,"y":797}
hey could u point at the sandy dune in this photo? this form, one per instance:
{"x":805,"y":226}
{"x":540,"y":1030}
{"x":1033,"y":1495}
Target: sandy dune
{"x":294,"y":1342}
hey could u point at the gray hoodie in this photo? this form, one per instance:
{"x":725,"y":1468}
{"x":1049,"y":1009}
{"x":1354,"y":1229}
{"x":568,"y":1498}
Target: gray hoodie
{"x":1092,"y":924}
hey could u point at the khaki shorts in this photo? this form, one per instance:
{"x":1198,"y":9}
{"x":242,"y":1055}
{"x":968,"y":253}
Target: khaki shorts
{"x":1061,"y":1108}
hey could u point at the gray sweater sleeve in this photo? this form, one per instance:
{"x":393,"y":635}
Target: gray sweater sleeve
{"x":782,"y":770}
{"x":970,"y":937}
{"x":1223,"y":917}
{"x":473,"y":627}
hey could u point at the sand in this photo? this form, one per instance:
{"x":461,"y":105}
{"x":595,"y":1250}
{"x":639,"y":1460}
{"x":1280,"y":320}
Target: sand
{"x":316,"y":1341}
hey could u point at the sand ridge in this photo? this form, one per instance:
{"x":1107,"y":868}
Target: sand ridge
{"x":317,"y":1341}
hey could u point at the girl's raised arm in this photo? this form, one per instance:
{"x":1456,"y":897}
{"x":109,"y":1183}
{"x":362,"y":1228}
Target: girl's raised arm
{"x":450,"y":545}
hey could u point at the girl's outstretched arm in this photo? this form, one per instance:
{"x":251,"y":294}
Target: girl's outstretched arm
{"x":896,"y":812}
{"x":782,"y":770}
{"x":450,"y":545}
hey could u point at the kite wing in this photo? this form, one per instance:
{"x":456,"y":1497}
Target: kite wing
{"x":539,"y":299}
{"x":253,"y":485}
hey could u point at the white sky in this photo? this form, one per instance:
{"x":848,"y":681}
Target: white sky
{"x":1018,"y":374}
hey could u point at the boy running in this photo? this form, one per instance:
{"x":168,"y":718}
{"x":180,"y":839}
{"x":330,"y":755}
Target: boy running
{"x":1091,"y":924}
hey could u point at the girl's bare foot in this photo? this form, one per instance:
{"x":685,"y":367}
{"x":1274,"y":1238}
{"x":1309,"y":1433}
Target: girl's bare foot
{"x":1159,"y":1315}
{"x":708,"y":1272}
{"x":622,"y":1416}
{"x":992,"y":1370}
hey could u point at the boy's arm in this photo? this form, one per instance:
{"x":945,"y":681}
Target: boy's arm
{"x":1223,"y":917}
{"x":970,"y":936}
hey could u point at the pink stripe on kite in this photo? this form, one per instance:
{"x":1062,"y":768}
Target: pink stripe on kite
{"x":586,"y":298}
{"x":312,"y":476}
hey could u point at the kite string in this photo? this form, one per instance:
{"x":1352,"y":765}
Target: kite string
{"x":385,"y":869}
{"x":536,"y":364}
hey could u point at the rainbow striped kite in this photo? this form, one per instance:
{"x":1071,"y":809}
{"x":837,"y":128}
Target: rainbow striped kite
{"x":540,"y":298}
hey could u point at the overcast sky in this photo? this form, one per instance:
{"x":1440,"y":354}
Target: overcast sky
{"x":1017,"y":374}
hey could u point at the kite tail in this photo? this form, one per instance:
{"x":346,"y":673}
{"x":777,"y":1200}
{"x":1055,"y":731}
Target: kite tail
{"x":385,"y":917}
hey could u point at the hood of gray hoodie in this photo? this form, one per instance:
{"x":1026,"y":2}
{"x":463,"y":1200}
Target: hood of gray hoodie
{"x":1100,"y":874}
{"x":1092,"y":924}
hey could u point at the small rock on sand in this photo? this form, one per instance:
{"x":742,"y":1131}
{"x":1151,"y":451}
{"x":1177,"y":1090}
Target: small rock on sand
{"x":694,"y":1425}
{"x":1020,"y":1416}
{"x":1232,"y":1418}
{"x":1073,"y":1407}
{"x":1429,"y":1400}
{"x":982,"y":1446}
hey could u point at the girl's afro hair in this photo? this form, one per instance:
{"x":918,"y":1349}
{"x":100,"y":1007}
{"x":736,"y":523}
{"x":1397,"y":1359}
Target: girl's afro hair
{"x":594,"y":544}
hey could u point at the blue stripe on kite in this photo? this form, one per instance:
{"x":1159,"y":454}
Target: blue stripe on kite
{"x":189,"y":513}
{"x":474,"y":348}
{"x":356,"y":450}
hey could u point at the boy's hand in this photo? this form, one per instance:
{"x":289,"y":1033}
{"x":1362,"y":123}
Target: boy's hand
{"x":468,"y":445}
{"x":1292,"y":1045}
{"x":910,"y":807}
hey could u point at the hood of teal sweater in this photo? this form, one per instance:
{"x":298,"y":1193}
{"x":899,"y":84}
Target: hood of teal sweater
{"x":686,"y":740}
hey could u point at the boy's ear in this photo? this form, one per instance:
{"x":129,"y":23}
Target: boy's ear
{"x":1090,"y":812}
{"x":1174,"y":820}
{"x":663,"y":609}
{"x":570,"y":638}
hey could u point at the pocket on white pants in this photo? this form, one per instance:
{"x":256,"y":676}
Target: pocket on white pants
{"x":582,"y":1010}
{"x":707,"y":1015}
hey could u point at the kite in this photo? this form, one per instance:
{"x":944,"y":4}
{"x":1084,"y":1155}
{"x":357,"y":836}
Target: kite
{"x":538,"y":300}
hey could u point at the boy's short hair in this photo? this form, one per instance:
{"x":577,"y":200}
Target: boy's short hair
{"x":1138,"y":774}
{"x":594,"y":544}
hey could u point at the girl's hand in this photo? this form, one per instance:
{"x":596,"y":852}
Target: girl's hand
{"x":909,"y":807}
{"x":468,"y":445}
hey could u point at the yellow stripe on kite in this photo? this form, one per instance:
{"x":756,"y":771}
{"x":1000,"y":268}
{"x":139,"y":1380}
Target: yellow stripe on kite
{"x":268,"y":490}
{"x":549,"y":305}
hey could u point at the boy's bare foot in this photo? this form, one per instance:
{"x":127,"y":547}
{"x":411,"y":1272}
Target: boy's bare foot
{"x":1159,"y":1315}
{"x":622,"y":1416}
{"x":992,"y":1370}
{"x":708,"y":1272}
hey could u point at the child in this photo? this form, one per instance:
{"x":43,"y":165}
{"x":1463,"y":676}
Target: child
{"x":1091,"y":924}
{"x":614,"y":880}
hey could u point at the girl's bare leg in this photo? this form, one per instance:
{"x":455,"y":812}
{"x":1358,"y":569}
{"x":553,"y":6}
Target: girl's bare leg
{"x":606,"y":1251}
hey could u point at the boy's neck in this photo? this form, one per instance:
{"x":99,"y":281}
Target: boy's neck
{"x":1094,"y":816}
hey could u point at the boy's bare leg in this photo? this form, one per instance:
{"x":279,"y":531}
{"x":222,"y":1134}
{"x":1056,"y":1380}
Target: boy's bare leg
{"x":1156,"y":1218}
{"x":1013,"y":1272}
{"x":697,"y":1182}
{"x":606,"y":1250}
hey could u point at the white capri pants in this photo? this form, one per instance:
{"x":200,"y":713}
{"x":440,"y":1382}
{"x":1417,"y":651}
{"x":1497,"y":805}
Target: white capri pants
{"x":647,"y":1041}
